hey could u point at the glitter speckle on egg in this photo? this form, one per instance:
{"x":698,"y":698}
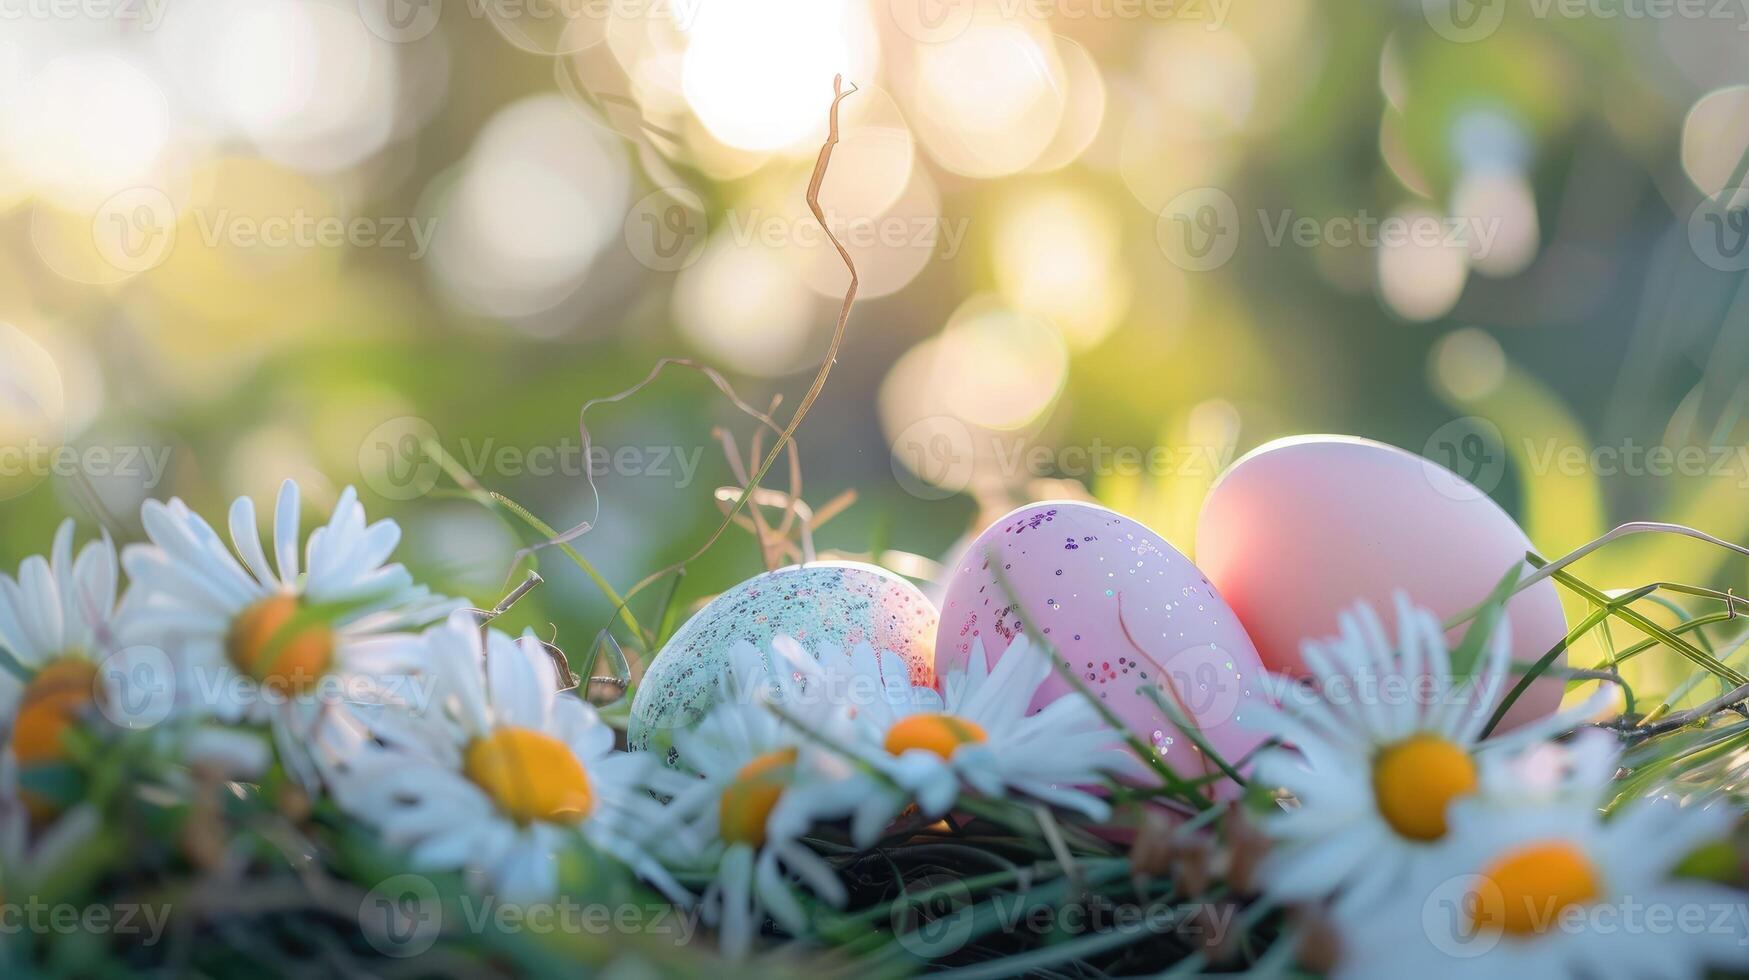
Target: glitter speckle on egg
{"x":1123,"y":609}
{"x":824,"y":604}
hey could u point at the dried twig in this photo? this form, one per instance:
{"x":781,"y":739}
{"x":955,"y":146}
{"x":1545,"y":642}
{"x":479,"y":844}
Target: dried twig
{"x":1682,"y":719}
{"x":785,"y":435}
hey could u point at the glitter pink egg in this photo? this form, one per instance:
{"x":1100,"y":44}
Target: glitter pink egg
{"x":1123,"y":610}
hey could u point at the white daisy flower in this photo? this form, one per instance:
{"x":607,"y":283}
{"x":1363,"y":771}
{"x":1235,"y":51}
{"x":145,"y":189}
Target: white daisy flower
{"x":1556,"y":892}
{"x":503,"y":773}
{"x":26,"y":857}
{"x":23,"y":855}
{"x":279,"y":642}
{"x":1376,"y":752}
{"x":762,"y":784}
{"x":58,"y":619}
{"x":975,"y":734}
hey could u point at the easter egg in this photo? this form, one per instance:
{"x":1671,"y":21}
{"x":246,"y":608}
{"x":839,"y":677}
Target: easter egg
{"x":1124,"y":612}
{"x":835,"y":604}
{"x":1301,"y":528}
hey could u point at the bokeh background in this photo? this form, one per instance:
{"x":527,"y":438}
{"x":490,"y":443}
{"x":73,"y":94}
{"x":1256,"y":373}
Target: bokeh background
{"x":1104,"y":247}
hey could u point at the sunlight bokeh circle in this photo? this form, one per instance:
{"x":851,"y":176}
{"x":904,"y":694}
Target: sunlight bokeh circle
{"x":745,"y":306}
{"x":88,"y":125}
{"x":989,"y":101}
{"x":541,"y":193}
{"x":758,"y":73}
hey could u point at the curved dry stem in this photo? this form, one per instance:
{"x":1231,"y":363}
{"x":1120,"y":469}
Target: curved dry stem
{"x":785,"y":434}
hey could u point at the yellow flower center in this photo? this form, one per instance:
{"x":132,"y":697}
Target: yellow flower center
{"x":1532,"y":885}
{"x":1415,"y":780}
{"x":530,"y":776}
{"x":285,"y":656}
{"x":746,"y":804}
{"x":940,"y":734}
{"x":52,"y":703}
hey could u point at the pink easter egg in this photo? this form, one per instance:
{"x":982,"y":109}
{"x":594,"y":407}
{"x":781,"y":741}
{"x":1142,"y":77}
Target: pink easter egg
{"x":1301,"y":528}
{"x":1123,"y":610}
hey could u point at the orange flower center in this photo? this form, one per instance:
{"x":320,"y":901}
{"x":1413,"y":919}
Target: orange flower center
{"x":1415,"y":780}
{"x":52,"y":703}
{"x":1532,"y":885}
{"x":530,"y":776}
{"x":940,"y":734}
{"x":267,"y":643}
{"x":746,"y":805}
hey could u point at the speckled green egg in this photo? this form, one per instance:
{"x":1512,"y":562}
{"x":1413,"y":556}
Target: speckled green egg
{"x":824,"y":604}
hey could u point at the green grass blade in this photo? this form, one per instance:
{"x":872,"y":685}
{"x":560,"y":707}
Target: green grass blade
{"x":1620,"y":610}
{"x":492,"y":500}
{"x":1483,"y":623}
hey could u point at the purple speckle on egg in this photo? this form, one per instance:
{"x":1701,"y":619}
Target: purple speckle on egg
{"x":1125,"y":633}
